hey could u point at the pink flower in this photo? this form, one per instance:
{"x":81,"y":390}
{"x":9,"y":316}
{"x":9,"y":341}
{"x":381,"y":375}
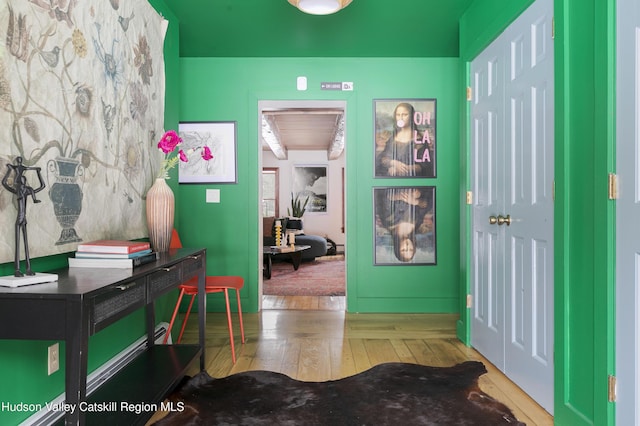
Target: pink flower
{"x":169,"y":141}
{"x":206,"y":153}
{"x":167,"y":144}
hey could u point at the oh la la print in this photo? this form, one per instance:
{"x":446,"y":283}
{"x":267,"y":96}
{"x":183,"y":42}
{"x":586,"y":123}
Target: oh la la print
{"x":405,"y":138}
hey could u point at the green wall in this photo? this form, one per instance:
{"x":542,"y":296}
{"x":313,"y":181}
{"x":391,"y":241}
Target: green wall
{"x":23,"y":364}
{"x":221,"y":89}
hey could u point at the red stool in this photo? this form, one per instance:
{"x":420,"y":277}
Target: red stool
{"x":213,"y":284}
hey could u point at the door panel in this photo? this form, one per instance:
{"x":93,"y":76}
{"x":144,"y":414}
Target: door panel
{"x":531,"y":203}
{"x":628,"y":214}
{"x":518,"y":304}
{"x":487,"y":135}
{"x":518,"y":282}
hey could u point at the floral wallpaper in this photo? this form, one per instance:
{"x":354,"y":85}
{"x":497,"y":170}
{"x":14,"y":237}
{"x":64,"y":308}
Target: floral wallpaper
{"x":81,"y":98}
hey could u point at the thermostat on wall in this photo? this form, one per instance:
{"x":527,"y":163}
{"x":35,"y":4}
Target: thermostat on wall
{"x":302,"y":83}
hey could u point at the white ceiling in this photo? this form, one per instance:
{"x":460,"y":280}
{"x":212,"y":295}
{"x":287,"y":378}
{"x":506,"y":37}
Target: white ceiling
{"x":304,"y":126}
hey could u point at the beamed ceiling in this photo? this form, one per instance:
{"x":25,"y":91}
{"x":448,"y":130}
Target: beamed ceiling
{"x":274,"y":28}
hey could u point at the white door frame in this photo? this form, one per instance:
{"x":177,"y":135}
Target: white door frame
{"x":300,"y":103}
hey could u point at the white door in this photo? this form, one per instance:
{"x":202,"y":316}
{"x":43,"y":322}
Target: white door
{"x":628,"y":213}
{"x":512,"y":151}
{"x":488,"y":176}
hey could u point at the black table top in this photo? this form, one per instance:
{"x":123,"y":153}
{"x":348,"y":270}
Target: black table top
{"x":287,"y":249}
{"x":83,"y":281}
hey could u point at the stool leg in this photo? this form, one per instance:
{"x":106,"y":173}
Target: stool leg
{"x":173,"y":317}
{"x":233,"y":349}
{"x":186,"y":317}
{"x":240,"y":314}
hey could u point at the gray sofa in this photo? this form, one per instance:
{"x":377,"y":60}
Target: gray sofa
{"x":318,"y":244}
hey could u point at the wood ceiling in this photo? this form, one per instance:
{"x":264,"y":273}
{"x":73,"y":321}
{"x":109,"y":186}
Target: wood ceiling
{"x":304,"y":128}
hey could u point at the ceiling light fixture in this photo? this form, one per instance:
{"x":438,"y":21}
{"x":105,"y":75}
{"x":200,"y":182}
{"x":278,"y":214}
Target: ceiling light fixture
{"x":320,"y":7}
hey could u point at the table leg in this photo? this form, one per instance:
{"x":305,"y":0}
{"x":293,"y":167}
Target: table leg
{"x":296,"y":257}
{"x":266,"y":268}
{"x":202,"y":314}
{"x":76,"y":362}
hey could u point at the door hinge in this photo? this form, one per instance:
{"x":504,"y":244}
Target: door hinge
{"x":469,"y":94}
{"x":469,"y":301}
{"x":469,"y":197}
{"x":612,"y":388}
{"x":613,"y":186}
{"x":553,"y":28}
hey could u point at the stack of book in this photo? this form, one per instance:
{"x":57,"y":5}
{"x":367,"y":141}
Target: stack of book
{"x":112,"y":254}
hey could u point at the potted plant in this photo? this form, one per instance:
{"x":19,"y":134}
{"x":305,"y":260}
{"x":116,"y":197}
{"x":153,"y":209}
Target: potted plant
{"x":296,"y":211}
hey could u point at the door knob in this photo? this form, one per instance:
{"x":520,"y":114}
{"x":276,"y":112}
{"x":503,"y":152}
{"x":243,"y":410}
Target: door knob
{"x":504,"y":220}
{"x":493,"y":220}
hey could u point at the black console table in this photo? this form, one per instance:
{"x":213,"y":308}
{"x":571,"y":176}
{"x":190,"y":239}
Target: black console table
{"x":84,"y":301}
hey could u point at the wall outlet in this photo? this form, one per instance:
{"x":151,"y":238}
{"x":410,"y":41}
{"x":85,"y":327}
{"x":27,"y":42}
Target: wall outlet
{"x":53,"y":358}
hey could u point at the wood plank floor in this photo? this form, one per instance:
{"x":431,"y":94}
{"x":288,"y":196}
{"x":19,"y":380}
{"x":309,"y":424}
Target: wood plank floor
{"x":314,"y":339}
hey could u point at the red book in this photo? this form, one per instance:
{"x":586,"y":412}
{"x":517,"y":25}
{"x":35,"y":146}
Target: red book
{"x":113,"y":246}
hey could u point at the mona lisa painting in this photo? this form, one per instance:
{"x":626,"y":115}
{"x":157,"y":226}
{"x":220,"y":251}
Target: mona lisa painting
{"x":405,"y":225}
{"x":405,"y":138}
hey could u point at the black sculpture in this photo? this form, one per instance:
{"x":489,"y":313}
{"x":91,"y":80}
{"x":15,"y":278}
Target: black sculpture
{"x":22,"y":190}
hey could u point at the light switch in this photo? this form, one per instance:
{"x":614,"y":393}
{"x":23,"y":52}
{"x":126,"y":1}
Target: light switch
{"x":213,"y":195}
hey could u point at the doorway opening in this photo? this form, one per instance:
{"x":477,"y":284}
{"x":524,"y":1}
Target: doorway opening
{"x":302,"y":164}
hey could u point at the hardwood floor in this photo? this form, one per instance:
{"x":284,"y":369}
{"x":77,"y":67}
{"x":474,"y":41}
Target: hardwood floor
{"x":323,"y":303}
{"x":314,"y":339}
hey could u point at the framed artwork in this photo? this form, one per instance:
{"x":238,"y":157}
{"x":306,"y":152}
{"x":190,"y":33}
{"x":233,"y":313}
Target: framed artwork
{"x":404,"y":225}
{"x":405,"y":138}
{"x":311,"y":181}
{"x":220,"y":137}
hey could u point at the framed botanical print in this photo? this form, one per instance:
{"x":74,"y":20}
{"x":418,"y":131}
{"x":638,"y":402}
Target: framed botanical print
{"x":220,"y":137}
{"x":405,"y":138}
{"x":404,"y":225}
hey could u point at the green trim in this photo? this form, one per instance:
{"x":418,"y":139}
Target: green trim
{"x":584,"y":220}
{"x":608,"y":331}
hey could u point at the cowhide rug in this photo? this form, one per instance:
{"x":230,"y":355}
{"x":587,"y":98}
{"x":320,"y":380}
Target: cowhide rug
{"x":388,"y":394}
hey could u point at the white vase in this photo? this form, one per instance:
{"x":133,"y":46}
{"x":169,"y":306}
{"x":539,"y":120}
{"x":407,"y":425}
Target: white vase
{"x":160,"y":214}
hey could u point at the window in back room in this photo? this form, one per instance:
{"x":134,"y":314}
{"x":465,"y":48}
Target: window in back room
{"x":270,"y":192}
